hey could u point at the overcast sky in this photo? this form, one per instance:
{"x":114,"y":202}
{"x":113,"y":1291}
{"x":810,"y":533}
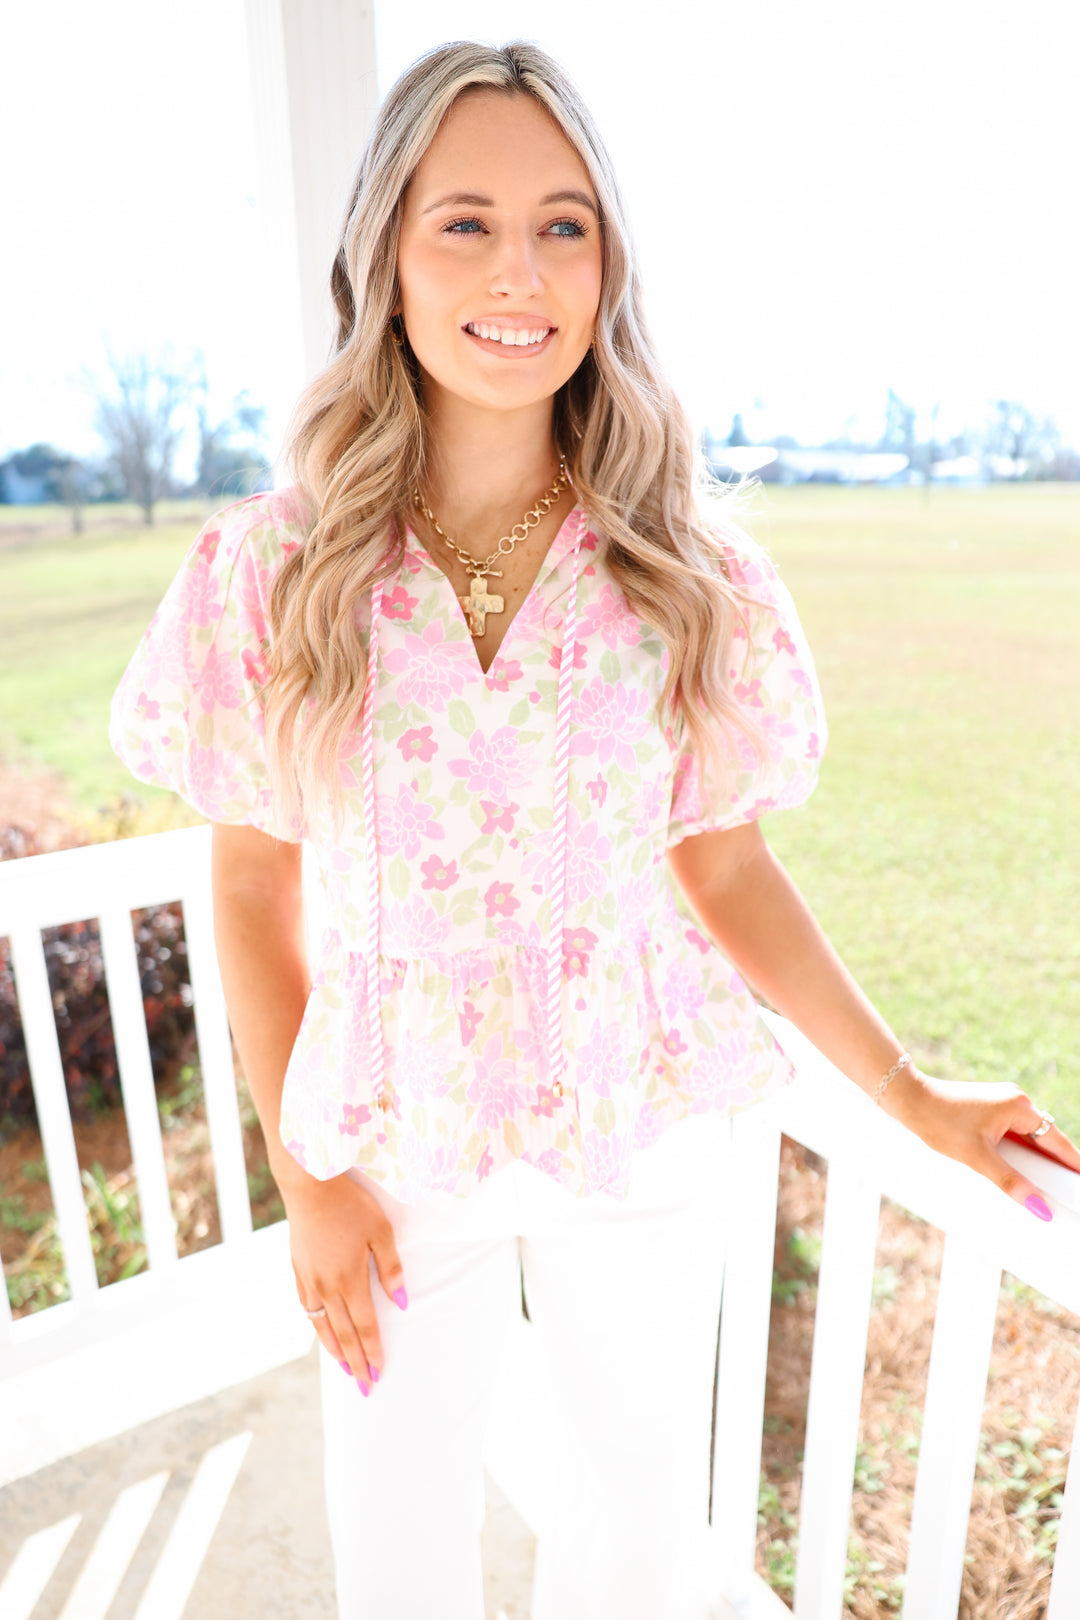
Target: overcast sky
{"x":829,"y":199}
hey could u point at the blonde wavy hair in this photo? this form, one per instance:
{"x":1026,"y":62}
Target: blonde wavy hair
{"x":358,"y":444}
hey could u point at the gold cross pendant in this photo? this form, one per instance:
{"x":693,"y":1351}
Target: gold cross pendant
{"x":478,"y":604}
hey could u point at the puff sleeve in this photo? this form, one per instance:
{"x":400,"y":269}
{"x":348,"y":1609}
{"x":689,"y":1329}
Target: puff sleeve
{"x":188,"y":712}
{"x":775,"y":683}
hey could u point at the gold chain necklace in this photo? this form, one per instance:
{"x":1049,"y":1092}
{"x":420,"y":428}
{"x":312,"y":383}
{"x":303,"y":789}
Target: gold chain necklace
{"x":480,"y":602}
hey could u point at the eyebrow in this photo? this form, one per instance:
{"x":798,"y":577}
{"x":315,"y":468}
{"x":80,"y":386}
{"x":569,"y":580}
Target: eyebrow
{"x":473,"y":199}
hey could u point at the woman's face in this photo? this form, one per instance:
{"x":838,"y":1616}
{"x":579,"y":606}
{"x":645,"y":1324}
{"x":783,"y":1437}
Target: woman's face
{"x":500,"y":259}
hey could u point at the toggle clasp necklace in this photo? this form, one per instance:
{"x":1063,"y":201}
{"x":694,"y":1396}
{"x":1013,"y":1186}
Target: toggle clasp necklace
{"x":480,"y":601}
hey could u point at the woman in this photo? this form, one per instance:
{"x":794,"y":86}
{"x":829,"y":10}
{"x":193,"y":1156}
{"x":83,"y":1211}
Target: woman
{"x":493,"y":726}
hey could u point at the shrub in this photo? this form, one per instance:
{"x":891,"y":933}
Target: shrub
{"x":77,"y":981}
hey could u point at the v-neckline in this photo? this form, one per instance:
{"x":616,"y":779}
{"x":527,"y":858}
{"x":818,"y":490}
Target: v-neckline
{"x":561,"y":544}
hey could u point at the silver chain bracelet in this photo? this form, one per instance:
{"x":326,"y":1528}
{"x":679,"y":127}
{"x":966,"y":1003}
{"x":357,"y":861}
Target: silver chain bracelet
{"x":901,"y":1063}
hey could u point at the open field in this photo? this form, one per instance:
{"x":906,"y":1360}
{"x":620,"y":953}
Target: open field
{"x":72,"y":608}
{"x":940,"y":848}
{"x":22,"y":524}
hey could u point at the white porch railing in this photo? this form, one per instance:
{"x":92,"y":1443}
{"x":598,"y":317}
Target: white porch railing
{"x":188,"y":1328}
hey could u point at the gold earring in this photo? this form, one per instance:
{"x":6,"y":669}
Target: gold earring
{"x":397,"y":335}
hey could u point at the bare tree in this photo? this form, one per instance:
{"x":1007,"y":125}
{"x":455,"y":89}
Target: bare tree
{"x":232,"y":460}
{"x":1018,"y":438}
{"x":137,"y":418}
{"x":899,"y":434}
{"x":72,"y":482}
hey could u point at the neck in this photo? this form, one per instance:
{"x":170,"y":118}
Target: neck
{"x":484,"y":469}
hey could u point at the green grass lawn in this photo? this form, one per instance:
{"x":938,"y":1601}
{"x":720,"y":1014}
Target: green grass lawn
{"x":72,"y":608}
{"x":940,"y":848}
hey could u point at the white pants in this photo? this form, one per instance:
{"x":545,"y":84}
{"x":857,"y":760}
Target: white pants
{"x":624,"y":1302}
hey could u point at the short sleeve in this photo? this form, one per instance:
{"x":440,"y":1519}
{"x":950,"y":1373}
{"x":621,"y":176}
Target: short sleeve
{"x":775,"y":684}
{"x":188,"y":712}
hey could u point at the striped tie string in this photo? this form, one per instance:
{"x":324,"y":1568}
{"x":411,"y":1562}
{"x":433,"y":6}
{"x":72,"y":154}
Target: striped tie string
{"x":367,"y":773}
{"x":556,"y":1048}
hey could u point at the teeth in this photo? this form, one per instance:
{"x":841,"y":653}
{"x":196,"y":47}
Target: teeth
{"x":506,"y":336}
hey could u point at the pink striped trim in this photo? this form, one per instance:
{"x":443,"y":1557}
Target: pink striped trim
{"x":371,"y":851}
{"x":556,"y":1047}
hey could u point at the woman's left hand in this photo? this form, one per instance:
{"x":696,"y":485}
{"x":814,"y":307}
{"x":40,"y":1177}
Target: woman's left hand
{"x":966,"y":1120}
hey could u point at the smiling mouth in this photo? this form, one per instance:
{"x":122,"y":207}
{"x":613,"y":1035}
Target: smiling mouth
{"x":504,"y":339}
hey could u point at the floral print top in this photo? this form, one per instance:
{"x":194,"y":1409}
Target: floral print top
{"x":655,"y":1023}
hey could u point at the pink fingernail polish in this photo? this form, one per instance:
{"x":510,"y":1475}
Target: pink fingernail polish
{"x":344,"y":1365}
{"x":1038,"y":1206}
{"x":362,"y":1387}
{"x":374,"y":1371}
{"x":401,"y":1298}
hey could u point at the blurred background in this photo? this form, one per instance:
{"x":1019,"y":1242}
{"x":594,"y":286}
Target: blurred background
{"x":857,"y":230}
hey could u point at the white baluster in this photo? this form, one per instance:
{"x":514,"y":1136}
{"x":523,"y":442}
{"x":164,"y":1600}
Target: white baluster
{"x":51,"y":1102}
{"x":849,"y":1244}
{"x":955,"y":1397}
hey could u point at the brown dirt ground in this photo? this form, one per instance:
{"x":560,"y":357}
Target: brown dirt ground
{"x":39,"y":802}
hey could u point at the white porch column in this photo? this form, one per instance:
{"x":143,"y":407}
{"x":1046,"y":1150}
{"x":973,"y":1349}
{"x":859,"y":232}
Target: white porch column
{"x":314,"y":94}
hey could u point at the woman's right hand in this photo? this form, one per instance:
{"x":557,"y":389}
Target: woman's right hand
{"x":334,"y":1228}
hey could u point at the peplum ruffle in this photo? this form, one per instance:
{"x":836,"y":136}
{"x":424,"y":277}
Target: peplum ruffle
{"x":652,"y":1033}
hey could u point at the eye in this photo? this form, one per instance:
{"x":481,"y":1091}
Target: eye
{"x":467,"y":226}
{"x":569,"y":228}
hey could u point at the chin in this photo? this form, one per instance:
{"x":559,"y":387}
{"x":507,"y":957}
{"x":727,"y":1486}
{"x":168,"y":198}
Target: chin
{"x":513,"y":395}
{"x":484,"y":386}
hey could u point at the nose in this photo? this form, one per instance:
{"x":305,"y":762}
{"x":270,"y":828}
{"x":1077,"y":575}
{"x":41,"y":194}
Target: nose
{"x":515,"y":272}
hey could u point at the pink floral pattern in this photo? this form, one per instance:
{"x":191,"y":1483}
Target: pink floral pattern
{"x":610,"y":619}
{"x":500,"y":900}
{"x":418,"y":744}
{"x":501,"y":673}
{"x":405,"y":822}
{"x":398,"y":604}
{"x":431,"y":670}
{"x":656,"y":1024}
{"x":438,"y":874}
{"x":610,"y":720}
{"x":495,"y":764}
{"x":498,"y":817}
